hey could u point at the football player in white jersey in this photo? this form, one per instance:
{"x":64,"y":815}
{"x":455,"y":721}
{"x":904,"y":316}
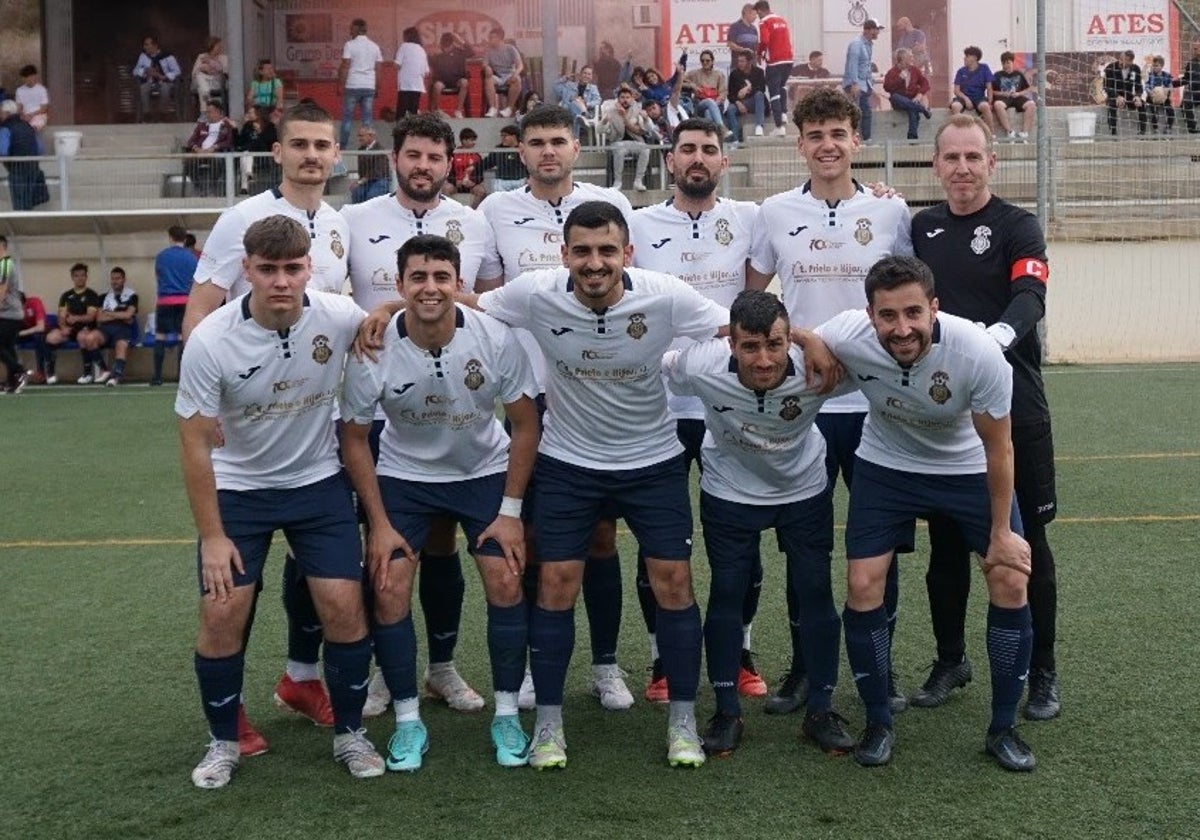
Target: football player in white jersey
{"x":937,"y":441}
{"x":268,"y":368}
{"x":608,"y":442}
{"x":764,"y":468}
{"x":705,"y":241}
{"x":306,"y":152}
{"x":421,"y":148}
{"x":443,"y":454}
{"x":820,"y":239}
{"x":528,"y":226}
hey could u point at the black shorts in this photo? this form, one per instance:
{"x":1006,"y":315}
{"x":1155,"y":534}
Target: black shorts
{"x":1015,"y":103}
{"x":1033,"y":464}
{"x":116,"y":332}
{"x":169,"y":319}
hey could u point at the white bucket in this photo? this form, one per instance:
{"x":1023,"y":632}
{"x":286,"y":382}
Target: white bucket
{"x":1081,"y":126}
{"x":66,"y":143}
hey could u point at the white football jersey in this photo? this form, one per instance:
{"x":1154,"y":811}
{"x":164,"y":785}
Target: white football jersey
{"x":821,"y":254}
{"x":221,"y":261}
{"x":707,"y":251}
{"x":440,"y":408}
{"x":606,"y":403}
{"x":380,"y":226}
{"x":529,"y":236}
{"x":920,"y":416}
{"x":761,"y":447}
{"x":272,"y":391}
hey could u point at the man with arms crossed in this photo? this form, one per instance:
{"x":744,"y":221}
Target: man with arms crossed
{"x":443,"y":454}
{"x":267,"y":369}
{"x":989,"y":260}
{"x":937,"y":442}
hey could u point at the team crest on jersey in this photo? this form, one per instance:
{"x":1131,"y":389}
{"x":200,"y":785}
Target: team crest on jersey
{"x":454,"y":231}
{"x":474,"y":377}
{"x":723,"y":235}
{"x":938,"y":390}
{"x":322,"y":352}
{"x":335,"y":244}
{"x":791,"y":408}
{"x":637,"y":325}
{"x":982,"y":240}
{"x":863,"y":235}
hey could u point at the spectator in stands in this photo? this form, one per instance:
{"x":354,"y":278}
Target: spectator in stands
{"x":33,"y":328}
{"x":625,"y":121}
{"x":116,"y":327}
{"x":858,"y":78}
{"x":33,"y":98}
{"x":213,"y":135}
{"x":1011,"y":91}
{"x":210,"y":72}
{"x":412,"y":74}
{"x":743,"y":33}
{"x":910,"y":38}
{"x":157,"y":72}
{"x":747,"y":95}
{"x":77,"y":308}
{"x":1123,"y":89}
{"x":775,"y":48}
{"x":466,"y":168}
{"x":356,"y":78}
{"x":1158,"y":95}
{"x":448,"y":71}
{"x":173,"y":270}
{"x":657,"y":88}
{"x":906,"y":87}
{"x":709,"y":90}
{"x":502,"y":68}
{"x":529,"y":101}
{"x":12,"y":318}
{"x":511,"y":173}
{"x":266,"y":89}
{"x":374,"y":174}
{"x":607,"y":70}
{"x":579,"y":96}
{"x":26,"y":183}
{"x":813,"y":69}
{"x":1190,"y":82}
{"x":971,"y":85}
{"x":256,"y":138}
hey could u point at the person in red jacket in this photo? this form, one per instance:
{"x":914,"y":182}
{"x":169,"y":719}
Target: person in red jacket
{"x":908,"y":90}
{"x":775,"y":47}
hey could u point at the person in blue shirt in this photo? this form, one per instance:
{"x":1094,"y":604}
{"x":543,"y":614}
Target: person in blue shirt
{"x":173,"y":270}
{"x":971,"y":84}
{"x":857,"y":78}
{"x":26,"y":183}
{"x":1158,"y":94}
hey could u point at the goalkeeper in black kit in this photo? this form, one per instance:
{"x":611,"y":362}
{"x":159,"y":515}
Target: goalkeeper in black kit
{"x":989,"y":263}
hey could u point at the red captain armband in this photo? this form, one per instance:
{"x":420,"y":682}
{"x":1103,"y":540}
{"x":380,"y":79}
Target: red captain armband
{"x":1030,"y":267}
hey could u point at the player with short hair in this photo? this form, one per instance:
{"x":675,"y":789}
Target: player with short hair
{"x":443,"y":454}
{"x":821,"y":239}
{"x":422,"y":145}
{"x":989,"y":259}
{"x":77,"y":308}
{"x":705,"y":241}
{"x":116,"y":320}
{"x":764,"y":468}
{"x":937,"y":442}
{"x":267,"y":367}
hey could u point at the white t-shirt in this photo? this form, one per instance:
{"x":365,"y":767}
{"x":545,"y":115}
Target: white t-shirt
{"x":920,"y":416}
{"x":272,"y":392}
{"x":221,"y":260}
{"x":378,"y":227}
{"x":441,"y":410}
{"x":760,"y":448}
{"x":364,"y":54}
{"x":31,"y":98}
{"x":412,"y":64}
{"x":822,"y":254}
{"x":529,"y":236}
{"x":606,"y":404}
{"x":707,"y":252}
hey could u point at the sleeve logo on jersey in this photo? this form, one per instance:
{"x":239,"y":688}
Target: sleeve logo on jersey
{"x":863,"y":235}
{"x":723,"y":235}
{"x":791,"y":408}
{"x":322,"y":352}
{"x":474,"y":378}
{"x":335,"y":244}
{"x":982,"y":240}
{"x":637,"y":325}
{"x":938,"y":391}
{"x":454,"y":231}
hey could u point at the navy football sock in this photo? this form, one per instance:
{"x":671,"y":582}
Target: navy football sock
{"x":347,"y":672}
{"x":220,"y":682}
{"x":722,"y":647}
{"x":551,"y":641}
{"x":160,"y":352}
{"x":868,"y":649}
{"x":441,"y":589}
{"x":1009,"y":643}
{"x":303,"y":623}
{"x":679,"y":643}
{"x":396,"y":653}
{"x":645,"y":594}
{"x":602,"y":598}
{"x":508,"y":636}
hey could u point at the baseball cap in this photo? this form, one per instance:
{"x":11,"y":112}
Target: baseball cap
{"x":871,"y":23}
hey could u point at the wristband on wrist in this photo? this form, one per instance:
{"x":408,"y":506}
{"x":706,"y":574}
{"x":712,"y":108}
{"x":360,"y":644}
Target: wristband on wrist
{"x":510,"y":507}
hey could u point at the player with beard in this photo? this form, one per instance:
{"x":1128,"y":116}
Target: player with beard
{"x":422,"y":145}
{"x":705,"y":241}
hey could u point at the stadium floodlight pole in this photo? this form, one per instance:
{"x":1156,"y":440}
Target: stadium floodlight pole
{"x":1043,"y":129}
